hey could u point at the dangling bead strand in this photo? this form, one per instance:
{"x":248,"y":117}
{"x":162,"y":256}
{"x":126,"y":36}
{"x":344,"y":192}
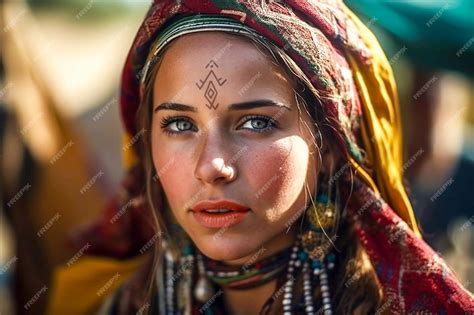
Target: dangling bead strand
{"x":169,"y":283}
{"x":323,"y":280}
{"x":308,"y":290}
{"x":288,"y":287}
{"x":204,"y":289}
{"x":188,"y":265}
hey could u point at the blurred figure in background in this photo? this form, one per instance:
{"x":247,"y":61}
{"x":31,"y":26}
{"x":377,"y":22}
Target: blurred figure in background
{"x":59,"y":159}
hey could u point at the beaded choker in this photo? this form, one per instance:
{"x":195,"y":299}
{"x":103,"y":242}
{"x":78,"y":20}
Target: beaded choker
{"x":249,"y":275}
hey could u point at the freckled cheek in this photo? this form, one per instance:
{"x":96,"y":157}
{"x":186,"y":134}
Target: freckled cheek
{"x":276,"y":174}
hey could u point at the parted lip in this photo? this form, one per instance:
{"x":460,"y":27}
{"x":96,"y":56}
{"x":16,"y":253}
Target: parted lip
{"x":218,"y":204}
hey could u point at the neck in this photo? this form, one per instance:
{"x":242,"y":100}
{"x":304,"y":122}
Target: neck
{"x":276,"y":244}
{"x":249,"y":301}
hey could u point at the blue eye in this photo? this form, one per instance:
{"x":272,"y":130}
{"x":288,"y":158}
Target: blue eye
{"x":175,"y":126}
{"x":259,"y":123}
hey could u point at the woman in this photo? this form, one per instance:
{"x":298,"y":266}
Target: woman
{"x":270,"y":151}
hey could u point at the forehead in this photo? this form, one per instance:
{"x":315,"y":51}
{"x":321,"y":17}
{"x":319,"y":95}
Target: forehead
{"x":234,"y":67}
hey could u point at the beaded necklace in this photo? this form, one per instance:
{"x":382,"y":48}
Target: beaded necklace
{"x":248,"y":275}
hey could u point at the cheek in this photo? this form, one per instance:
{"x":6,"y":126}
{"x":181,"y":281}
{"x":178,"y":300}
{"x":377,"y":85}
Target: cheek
{"x":277,"y":173}
{"x":173,"y":169}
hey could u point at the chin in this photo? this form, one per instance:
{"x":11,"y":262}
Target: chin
{"x":225,"y":248}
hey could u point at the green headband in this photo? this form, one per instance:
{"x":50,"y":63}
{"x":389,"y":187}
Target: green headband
{"x":193,"y":24}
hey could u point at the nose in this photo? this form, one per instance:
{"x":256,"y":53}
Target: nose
{"x":212,"y":166}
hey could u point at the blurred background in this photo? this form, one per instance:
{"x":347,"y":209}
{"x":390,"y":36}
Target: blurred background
{"x":60,"y":131}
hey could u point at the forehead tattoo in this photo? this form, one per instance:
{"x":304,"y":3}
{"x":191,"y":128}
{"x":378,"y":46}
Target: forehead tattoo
{"x":211,"y":83}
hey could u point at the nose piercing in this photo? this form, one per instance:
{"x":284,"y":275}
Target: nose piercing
{"x":229,"y":171}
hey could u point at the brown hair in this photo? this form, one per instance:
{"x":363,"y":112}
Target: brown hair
{"x":355,"y":284}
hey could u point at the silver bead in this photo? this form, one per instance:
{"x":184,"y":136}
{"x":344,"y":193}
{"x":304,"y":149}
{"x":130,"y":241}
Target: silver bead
{"x":203,"y":290}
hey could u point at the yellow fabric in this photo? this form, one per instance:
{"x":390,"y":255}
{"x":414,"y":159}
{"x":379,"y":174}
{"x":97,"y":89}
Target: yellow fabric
{"x":82,"y":287}
{"x":129,"y":156}
{"x":381,"y":127}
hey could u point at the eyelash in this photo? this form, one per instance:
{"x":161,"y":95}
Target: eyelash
{"x":167,"y":120}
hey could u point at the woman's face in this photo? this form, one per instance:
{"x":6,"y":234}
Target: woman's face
{"x":226,"y":126}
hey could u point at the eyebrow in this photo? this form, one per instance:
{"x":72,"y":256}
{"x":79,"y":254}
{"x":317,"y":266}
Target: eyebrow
{"x":236,"y":106}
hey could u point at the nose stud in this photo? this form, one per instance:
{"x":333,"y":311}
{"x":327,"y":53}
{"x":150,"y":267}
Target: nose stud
{"x":228,"y":171}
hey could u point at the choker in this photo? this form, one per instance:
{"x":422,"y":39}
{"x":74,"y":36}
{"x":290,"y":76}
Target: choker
{"x":250,"y":275}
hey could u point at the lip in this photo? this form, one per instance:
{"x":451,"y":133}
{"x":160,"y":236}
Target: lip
{"x":218,"y":204}
{"x":219,"y":220}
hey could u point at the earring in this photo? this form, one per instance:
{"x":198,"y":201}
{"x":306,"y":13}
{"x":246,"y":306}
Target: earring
{"x":320,"y":222}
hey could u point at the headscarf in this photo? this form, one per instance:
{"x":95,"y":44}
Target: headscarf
{"x":346,"y":66}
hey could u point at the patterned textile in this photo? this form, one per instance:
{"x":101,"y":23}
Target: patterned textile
{"x":345,"y":64}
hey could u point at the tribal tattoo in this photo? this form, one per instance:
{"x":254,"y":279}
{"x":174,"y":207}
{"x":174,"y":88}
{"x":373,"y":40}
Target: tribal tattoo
{"x":211,"y":82}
